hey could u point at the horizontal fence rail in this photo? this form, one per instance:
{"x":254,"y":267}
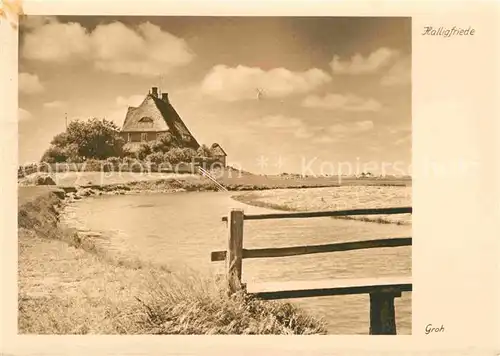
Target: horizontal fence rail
{"x":319,"y":214}
{"x":287,"y":290}
{"x":306,"y":250}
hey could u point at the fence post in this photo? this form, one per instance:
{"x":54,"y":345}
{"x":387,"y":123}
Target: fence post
{"x":234,"y":250}
{"x":382,"y":313}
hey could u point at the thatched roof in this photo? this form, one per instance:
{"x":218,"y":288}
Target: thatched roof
{"x":158,"y":115}
{"x":217,"y":150}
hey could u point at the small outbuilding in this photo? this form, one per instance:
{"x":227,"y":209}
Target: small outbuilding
{"x":218,"y":154}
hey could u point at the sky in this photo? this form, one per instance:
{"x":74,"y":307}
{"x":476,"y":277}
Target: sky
{"x":321,"y":95}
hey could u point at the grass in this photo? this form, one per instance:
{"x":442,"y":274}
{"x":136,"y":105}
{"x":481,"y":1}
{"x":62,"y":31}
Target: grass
{"x":190,"y":304}
{"x":68,"y":286}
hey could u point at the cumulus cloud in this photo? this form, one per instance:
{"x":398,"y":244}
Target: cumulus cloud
{"x":29,"y":83}
{"x":57,"y":104}
{"x":51,"y":41}
{"x":241,"y":82}
{"x":348,"y":102}
{"x":399,"y":73}
{"x":145,"y":50}
{"x":358,"y":64}
{"x":142,"y":50}
{"x":24,"y":115}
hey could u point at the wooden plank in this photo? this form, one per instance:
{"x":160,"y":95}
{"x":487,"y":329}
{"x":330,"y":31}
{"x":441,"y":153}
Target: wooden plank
{"x":318,"y":214}
{"x":305,"y":289}
{"x":235,"y":250}
{"x":311,"y":249}
{"x":306,"y":250}
{"x":382,"y":313}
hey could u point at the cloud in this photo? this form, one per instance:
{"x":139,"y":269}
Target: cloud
{"x":241,"y":82}
{"x":277,"y":121}
{"x":24,"y":115}
{"x":358,"y":64}
{"x":348,"y":102}
{"x":30,"y":22}
{"x":402,"y":130}
{"x":342,"y":132}
{"x":289,"y":125}
{"x":360,"y":126}
{"x":304,"y":132}
{"x":29,"y":83}
{"x":399,"y":73}
{"x":143,"y":50}
{"x":324,"y":139}
{"x":51,"y":41}
{"x":403,"y":140}
{"x":57,"y":104}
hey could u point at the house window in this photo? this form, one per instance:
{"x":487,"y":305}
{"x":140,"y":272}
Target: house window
{"x":144,"y":136}
{"x":146,"y":122}
{"x":129,"y":137}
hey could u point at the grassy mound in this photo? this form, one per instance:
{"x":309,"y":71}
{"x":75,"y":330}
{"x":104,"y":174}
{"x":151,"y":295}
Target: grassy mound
{"x":189,"y":304}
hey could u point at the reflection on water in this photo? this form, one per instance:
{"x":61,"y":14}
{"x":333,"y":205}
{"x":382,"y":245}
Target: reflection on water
{"x":181,"y":229}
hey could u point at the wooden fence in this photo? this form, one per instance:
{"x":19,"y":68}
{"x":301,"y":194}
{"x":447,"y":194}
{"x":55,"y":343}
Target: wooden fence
{"x":382,"y":291}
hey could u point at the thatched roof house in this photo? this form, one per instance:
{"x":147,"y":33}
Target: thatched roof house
{"x":153,"y":117}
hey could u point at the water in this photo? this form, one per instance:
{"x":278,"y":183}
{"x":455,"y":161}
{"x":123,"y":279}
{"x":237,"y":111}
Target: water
{"x":181,"y":229}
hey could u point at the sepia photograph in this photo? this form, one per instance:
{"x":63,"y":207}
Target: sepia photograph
{"x":200,"y":175}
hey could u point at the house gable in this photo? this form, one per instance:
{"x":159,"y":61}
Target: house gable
{"x":158,"y":115}
{"x":217,"y":150}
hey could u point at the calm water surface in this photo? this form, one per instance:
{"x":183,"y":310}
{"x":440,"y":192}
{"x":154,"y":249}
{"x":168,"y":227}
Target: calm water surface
{"x":181,"y":229}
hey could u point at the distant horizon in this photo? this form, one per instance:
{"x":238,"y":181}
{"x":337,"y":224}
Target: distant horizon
{"x":270,"y":90}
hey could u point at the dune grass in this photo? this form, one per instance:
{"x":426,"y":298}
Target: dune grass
{"x":189,"y":304}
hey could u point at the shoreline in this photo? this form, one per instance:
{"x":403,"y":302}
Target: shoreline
{"x":94,"y":183}
{"x":335,"y":198}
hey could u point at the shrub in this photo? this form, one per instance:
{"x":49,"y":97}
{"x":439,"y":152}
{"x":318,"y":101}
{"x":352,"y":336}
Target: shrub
{"x":92,"y":165}
{"x":189,"y":154}
{"x":54,"y":154}
{"x":143,"y":151}
{"x":114,"y":162}
{"x":174,"y":156}
{"x":168,"y":141}
{"x":156,"y":157}
{"x":204,"y":151}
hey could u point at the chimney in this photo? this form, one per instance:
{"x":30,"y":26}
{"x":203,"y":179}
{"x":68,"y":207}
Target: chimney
{"x":164,"y":97}
{"x":155,"y":91}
